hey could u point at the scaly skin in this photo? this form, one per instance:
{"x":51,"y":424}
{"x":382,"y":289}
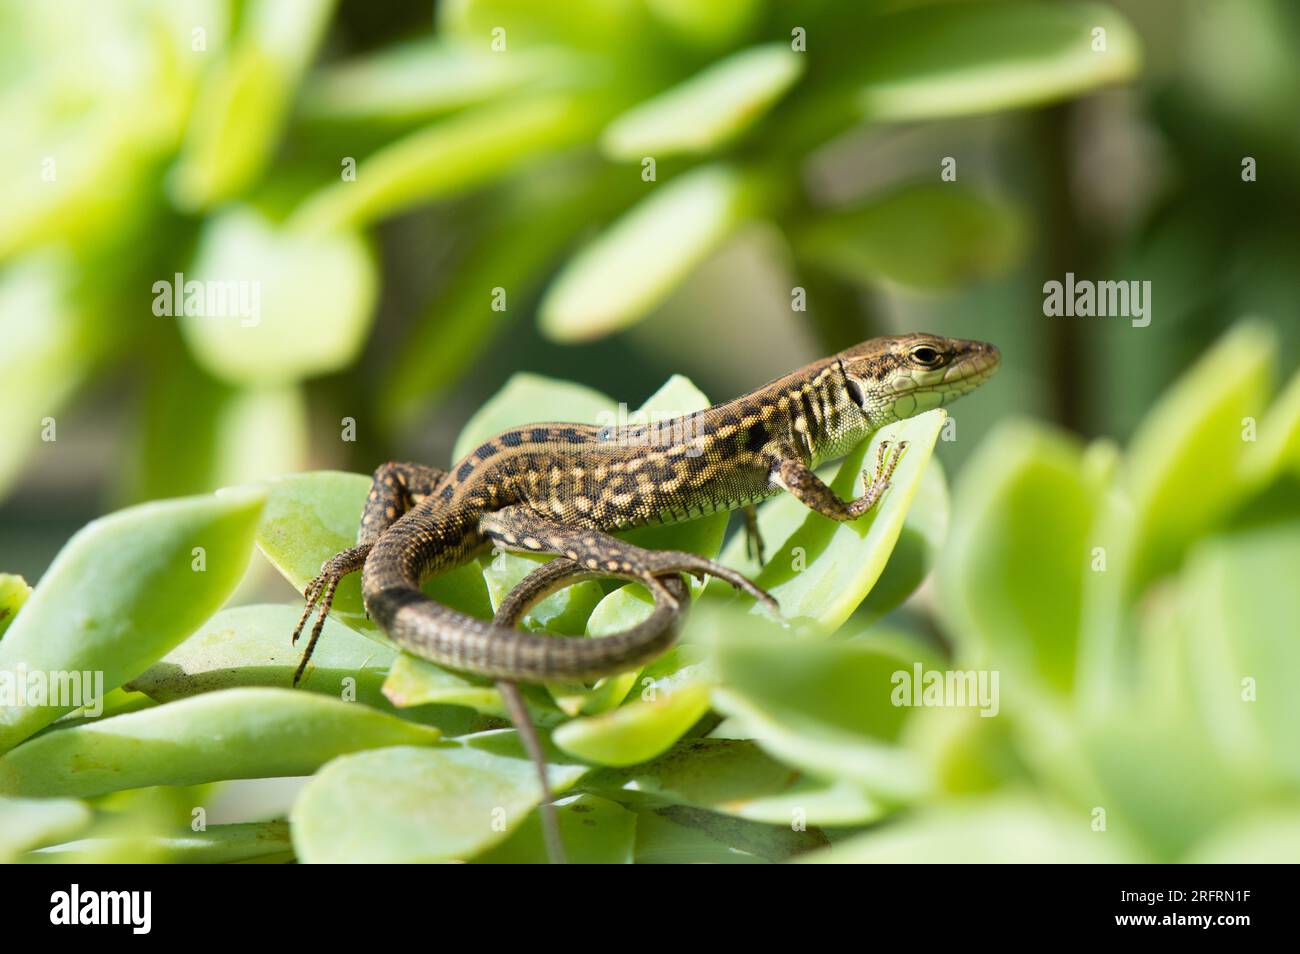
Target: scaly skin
{"x":559,"y":488}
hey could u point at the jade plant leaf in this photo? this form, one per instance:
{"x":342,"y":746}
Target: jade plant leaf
{"x":709,"y":109}
{"x":637,"y":731}
{"x":423,"y":78}
{"x":233,"y":733}
{"x":1183,"y":466}
{"x":834,"y":709}
{"x":922,"y":235}
{"x":13,"y":594}
{"x":1004,"y":829}
{"x":244,"y":99}
{"x":123,"y":592}
{"x":446,"y":158}
{"x":956,"y":59}
{"x":448,"y":802}
{"x":736,"y":777}
{"x":612,"y":283}
{"x":27,"y":823}
{"x":1241,"y":604}
{"x":1266,"y":837}
{"x":1182,"y":475}
{"x":291,"y":305}
{"x":663,"y":841}
{"x":1011,"y":592}
{"x":218,"y":844}
{"x":311,"y":517}
{"x":249,"y":646}
{"x":595,"y":831}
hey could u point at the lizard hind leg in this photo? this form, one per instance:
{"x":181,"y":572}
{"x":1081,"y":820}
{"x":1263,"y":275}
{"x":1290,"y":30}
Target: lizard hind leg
{"x":542,"y":582}
{"x":523,"y":529}
{"x":394,"y":489}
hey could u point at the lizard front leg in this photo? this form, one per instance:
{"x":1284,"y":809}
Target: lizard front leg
{"x":523,"y":529}
{"x":394,"y":489}
{"x":795,"y":476}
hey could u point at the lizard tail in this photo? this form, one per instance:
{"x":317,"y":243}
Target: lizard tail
{"x":432,"y":631}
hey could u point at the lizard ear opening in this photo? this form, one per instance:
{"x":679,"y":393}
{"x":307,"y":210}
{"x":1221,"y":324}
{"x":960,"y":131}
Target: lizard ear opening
{"x":855,"y":392}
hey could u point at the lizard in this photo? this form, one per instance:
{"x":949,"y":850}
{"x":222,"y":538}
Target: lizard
{"x":564,"y":488}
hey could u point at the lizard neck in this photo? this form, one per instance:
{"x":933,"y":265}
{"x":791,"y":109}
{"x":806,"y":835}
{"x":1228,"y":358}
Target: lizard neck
{"x":812,"y":411}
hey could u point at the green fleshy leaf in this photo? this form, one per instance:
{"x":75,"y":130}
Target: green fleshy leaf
{"x":637,"y":731}
{"x":662,"y":841}
{"x":564,"y":613}
{"x":1277,"y":450}
{"x":417,"y":682}
{"x":1241,"y":604}
{"x":1183,"y":474}
{"x":27,"y":823}
{"x":218,"y":844}
{"x":234,"y":733}
{"x":826,"y":568}
{"x":451,"y":156}
{"x":958,"y":59}
{"x":1161,"y":786}
{"x":1183,"y":463}
{"x":243,"y":100}
{"x":595,"y":831}
{"x":708,"y":110}
{"x":1267,"y":837}
{"x":124,"y":591}
{"x":13,"y":594}
{"x":612,"y":283}
{"x":514,"y":252}
{"x":249,"y":646}
{"x":311,"y":517}
{"x":296,"y":305}
{"x":825,"y":707}
{"x":700,"y":835}
{"x":525,"y":25}
{"x":622,"y":609}
{"x":1007,"y":829}
{"x":1012,"y":593}
{"x":423,"y":78}
{"x":715,"y":24}
{"x":44,"y":358}
{"x":922,"y":235}
{"x":449,"y":802}
{"x":737,"y":778}
{"x":918,"y":547}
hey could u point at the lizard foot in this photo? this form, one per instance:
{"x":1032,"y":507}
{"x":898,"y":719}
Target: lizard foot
{"x":319,"y":594}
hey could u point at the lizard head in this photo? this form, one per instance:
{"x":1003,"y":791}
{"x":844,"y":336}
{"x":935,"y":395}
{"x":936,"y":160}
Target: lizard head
{"x":905,"y":375}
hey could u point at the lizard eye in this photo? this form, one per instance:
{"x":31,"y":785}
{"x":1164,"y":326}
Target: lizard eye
{"x":925,"y":355}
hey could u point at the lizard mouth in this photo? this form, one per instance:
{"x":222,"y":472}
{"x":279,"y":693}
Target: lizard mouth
{"x":916,"y":391}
